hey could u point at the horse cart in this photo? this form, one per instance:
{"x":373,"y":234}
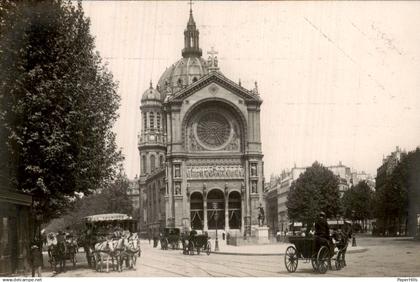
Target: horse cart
{"x":61,"y":249}
{"x":111,"y":239}
{"x":319,"y":251}
{"x":196,"y":244}
{"x":171,"y":237}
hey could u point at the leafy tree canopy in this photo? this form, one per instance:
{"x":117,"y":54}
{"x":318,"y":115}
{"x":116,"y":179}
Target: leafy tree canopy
{"x":314,"y":191}
{"x":58,"y":103}
{"x":112,"y":199}
{"x":358,"y":202}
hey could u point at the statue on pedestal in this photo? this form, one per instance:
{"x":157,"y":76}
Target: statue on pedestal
{"x":261,"y":215}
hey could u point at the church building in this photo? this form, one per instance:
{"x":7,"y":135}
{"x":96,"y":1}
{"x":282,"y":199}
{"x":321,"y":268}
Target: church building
{"x":201,"y":164}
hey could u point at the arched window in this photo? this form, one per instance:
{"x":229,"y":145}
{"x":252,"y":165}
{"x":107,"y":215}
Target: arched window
{"x":152,"y":162}
{"x":152,"y":120}
{"x":143,"y":164}
{"x":196,"y":211}
{"x":195,"y":79}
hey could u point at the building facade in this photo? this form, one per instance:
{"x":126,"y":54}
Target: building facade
{"x":281,"y":185}
{"x":200,"y":147}
{"x":15,"y":220}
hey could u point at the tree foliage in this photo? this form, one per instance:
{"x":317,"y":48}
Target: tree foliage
{"x":358,"y":202}
{"x":58,"y":103}
{"x":112,"y":199}
{"x":393,"y":197}
{"x":314,"y":191}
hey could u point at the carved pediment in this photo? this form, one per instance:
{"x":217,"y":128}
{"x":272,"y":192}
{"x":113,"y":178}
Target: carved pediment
{"x":215,"y":78}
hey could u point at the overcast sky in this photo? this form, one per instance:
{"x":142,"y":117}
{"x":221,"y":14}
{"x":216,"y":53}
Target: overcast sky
{"x":340,"y":81}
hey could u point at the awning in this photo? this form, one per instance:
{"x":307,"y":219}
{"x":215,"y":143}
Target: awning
{"x":107,"y":217}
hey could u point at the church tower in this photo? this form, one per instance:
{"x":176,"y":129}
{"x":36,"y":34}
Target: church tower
{"x":200,"y":148}
{"x":152,"y":148}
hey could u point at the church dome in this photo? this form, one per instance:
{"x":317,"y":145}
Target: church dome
{"x":151,"y":94}
{"x":182,"y":73}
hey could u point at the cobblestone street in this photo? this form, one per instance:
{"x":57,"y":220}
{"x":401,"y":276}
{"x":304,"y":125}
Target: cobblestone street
{"x":380,"y":257}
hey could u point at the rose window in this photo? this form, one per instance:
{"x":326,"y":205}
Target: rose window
{"x":213,"y":130}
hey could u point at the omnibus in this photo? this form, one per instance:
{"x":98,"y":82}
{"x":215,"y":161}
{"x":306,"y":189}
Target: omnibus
{"x":103,"y":222}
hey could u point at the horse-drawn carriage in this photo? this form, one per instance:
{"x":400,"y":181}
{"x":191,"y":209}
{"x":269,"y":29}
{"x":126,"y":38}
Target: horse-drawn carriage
{"x":171,"y":237}
{"x":111,"y":239}
{"x":319,"y":251}
{"x":61,"y":247}
{"x":196,"y":243}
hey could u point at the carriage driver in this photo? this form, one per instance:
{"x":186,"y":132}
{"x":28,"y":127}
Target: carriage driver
{"x":321,"y":227}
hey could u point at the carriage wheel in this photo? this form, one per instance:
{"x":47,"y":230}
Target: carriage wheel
{"x":291,"y":259}
{"x":208,"y":248}
{"x":314,"y":265}
{"x":191,"y":248}
{"x":322,"y":259}
{"x":339,"y":261}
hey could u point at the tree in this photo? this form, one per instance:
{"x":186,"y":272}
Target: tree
{"x":314,"y":191}
{"x":398,"y":189}
{"x":112,"y":199}
{"x":58,"y":104}
{"x":358,"y":202}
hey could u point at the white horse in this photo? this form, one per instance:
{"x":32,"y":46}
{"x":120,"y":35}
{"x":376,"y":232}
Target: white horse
{"x":134,"y":249}
{"x":122,"y":251}
{"x":104,"y":251}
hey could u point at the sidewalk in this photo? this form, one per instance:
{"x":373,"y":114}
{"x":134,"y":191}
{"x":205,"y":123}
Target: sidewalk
{"x":273,"y":249}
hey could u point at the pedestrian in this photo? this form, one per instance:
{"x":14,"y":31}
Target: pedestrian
{"x":36,"y":260}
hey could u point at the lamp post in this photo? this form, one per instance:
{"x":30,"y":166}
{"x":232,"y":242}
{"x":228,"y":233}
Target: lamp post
{"x":216,"y":217}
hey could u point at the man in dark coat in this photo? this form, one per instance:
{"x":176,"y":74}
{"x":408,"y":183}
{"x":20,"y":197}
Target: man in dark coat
{"x":321,"y":227}
{"x":36,"y":260}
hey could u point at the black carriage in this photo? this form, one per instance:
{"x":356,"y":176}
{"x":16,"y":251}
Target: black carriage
{"x":196,"y":243}
{"x":70,"y":251}
{"x":319,"y":251}
{"x":170,"y":238}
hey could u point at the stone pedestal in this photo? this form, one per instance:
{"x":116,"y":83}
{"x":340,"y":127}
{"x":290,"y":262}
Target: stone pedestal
{"x":261,"y":234}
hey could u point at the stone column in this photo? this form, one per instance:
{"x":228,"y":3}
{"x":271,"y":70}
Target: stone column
{"x":227,"y":211}
{"x":247,"y":202}
{"x":242,"y":208}
{"x":205,"y":227}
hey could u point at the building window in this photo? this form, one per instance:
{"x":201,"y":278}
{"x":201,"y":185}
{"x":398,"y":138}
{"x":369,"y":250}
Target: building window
{"x":158,"y":121}
{"x":143,"y":163}
{"x":152,"y":120}
{"x":144,"y":121}
{"x":152,"y":162}
{"x":161,"y":161}
{"x":194,"y":79}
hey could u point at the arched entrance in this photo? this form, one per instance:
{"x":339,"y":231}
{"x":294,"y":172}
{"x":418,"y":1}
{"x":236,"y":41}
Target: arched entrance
{"x":234,"y":210}
{"x":216,"y":208}
{"x":196,"y":211}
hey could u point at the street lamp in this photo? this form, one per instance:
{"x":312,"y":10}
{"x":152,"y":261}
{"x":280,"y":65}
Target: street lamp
{"x":216,"y":217}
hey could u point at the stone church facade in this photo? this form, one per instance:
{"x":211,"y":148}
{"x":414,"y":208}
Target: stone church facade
{"x":201,"y":164}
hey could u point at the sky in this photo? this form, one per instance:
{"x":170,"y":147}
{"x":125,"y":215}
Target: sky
{"x":339,"y":80}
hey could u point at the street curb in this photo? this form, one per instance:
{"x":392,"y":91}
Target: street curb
{"x":362,"y":250}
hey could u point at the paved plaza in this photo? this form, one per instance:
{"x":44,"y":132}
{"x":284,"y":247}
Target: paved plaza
{"x":376,"y":257}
